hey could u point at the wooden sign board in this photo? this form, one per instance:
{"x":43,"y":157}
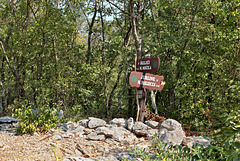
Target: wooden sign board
{"x":149,"y":81}
{"x":148,"y":65}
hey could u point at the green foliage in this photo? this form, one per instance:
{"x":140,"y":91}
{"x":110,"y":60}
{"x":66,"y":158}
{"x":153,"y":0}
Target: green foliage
{"x":231,"y":130}
{"x":228,"y":136}
{"x":40,"y":120}
{"x":167,"y":152}
{"x":75,"y":113}
{"x":195,"y":43}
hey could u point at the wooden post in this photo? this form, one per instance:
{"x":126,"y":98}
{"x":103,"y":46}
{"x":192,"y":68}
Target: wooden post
{"x":142,"y":106}
{"x":143,"y":100}
{"x":138,"y":108}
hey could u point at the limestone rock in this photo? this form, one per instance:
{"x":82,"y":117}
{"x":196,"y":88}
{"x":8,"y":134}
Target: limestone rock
{"x":83,"y":123}
{"x":68,"y":126}
{"x":119,"y":122}
{"x":62,"y":127}
{"x":71,"y":125}
{"x":78,"y":129}
{"x":87,"y":131}
{"x":92,"y":148}
{"x":171,"y":132}
{"x":141,"y":129}
{"x":130,"y":123}
{"x":171,"y":125}
{"x":108,"y":158}
{"x":105,"y":131}
{"x":7,"y":119}
{"x":68,"y":135}
{"x":56,"y":137}
{"x":188,"y":141}
{"x":5,"y":126}
{"x":201,"y":140}
{"x":77,"y":159}
{"x":77,"y":152}
{"x":123,"y":135}
{"x":152,"y":124}
{"x":95,"y":122}
{"x":152,"y":134}
{"x":94,"y":136}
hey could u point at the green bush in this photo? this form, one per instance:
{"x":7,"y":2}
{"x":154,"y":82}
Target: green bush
{"x":40,"y":121}
{"x":228,"y":136}
{"x":161,"y":151}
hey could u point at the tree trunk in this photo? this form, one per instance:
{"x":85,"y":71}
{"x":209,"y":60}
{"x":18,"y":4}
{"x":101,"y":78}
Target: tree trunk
{"x":56,"y":68}
{"x":153,"y":100}
{"x":90,"y":32}
{"x":171,"y":101}
{"x":130,"y":102}
{"x":4,"y":93}
{"x":135,"y":30}
{"x":139,"y":53}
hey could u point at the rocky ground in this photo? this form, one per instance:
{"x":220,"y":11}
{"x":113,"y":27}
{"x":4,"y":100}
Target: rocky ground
{"x":89,"y":139}
{"x":45,"y":147}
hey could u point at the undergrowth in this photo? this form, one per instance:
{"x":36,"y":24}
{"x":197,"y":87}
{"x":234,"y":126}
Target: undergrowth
{"x":40,"y":120}
{"x":224,"y":147}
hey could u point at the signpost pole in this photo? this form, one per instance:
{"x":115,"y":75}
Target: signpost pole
{"x":138,"y":108}
{"x":143,"y":100}
{"x":142,"y":106}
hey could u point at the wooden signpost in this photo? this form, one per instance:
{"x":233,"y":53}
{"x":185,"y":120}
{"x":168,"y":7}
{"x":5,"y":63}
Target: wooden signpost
{"x":141,"y":78}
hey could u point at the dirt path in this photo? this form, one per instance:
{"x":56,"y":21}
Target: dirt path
{"x":39,"y":147}
{"x":25,"y":147}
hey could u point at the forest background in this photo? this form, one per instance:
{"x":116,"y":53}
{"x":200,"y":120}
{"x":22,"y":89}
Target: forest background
{"x":77,"y":55}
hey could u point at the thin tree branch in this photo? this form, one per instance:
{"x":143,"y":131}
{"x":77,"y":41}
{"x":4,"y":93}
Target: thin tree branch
{"x":6,"y":57}
{"x":236,"y":60}
{"x":6,"y":45}
{"x":118,"y":7}
{"x":85,"y":15}
{"x":114,"y":88}
{"x":90,"y":32}
{"x":124,"y":86}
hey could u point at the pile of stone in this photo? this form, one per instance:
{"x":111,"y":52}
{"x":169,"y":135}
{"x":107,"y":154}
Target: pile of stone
{"x":127,"y":132}
{"x":96,"y":139}
{"x":8,"y":123}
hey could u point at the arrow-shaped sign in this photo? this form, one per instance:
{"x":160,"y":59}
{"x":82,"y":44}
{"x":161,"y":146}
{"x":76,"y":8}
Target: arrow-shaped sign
{"x":149,"y":81}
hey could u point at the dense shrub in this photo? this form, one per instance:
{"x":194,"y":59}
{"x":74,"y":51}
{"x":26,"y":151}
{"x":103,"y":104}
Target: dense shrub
{"x":40,"y":120}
